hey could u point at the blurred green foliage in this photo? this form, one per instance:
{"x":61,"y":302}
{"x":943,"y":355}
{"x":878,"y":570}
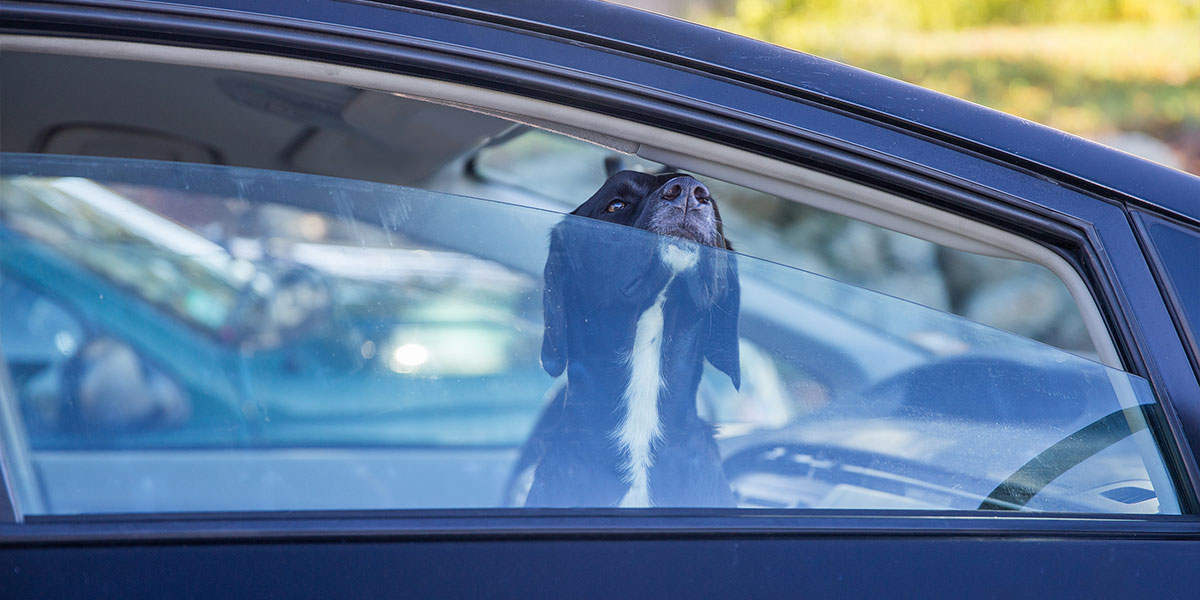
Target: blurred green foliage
{"x":1090,"y":67}
{"x":961,"y":14}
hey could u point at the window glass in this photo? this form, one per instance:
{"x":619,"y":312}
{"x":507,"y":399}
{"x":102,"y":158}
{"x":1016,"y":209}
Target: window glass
{"x":1013,"y":295}
{"x":1176,"y":247}
{"x":197,"y":338}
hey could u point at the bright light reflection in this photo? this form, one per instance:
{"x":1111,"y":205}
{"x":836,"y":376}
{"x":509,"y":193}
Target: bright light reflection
{"x":409,"y":357}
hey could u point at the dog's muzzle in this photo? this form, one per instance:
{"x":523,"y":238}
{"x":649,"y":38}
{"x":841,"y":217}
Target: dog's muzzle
{"x":682,"y":207}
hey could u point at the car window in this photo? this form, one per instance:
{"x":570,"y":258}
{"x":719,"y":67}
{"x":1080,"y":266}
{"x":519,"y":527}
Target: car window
{"x":204,"y":338}
{"x":1174,"y":246}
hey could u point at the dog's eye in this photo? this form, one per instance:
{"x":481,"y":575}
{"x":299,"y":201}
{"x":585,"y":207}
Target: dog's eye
{"x":615,"y":205}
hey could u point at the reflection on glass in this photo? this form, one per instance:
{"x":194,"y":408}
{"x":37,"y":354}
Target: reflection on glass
{"x":1014,"y":295}
{"x":317,"y":343}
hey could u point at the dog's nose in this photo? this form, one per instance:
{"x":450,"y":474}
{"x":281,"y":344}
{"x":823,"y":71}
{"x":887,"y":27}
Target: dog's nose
{"x":685,"y":193}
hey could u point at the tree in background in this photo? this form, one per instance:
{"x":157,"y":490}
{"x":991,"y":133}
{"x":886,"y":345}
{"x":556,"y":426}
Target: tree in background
{"x":1124,"y":72}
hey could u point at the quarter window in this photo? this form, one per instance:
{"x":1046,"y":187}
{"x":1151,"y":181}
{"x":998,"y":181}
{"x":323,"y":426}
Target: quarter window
{"x":1174,"y":245}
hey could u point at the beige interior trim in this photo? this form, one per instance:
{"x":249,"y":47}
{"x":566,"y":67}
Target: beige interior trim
{"x":708,"y":158}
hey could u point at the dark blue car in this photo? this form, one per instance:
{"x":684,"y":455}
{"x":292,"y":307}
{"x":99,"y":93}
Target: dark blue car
{"x":274,"y":294}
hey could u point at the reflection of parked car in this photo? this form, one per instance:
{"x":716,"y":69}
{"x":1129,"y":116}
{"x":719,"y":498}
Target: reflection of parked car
{"x":294,"y":321}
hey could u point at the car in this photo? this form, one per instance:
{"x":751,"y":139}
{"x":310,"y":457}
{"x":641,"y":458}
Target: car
{"x":272,"y":293}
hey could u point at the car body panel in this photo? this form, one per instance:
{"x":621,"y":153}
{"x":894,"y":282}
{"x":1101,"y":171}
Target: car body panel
{"x":831,"y":562}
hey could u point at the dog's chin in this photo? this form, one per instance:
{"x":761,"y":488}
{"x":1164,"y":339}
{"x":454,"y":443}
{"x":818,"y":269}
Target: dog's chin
{"x":682,"y":234}
{"x":691,"y":234}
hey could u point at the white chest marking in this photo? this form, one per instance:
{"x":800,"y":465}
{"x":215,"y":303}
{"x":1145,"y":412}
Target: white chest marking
{"x":641,"y":428}
{"x":679,"y":258}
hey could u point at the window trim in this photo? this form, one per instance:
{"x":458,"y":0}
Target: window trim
{"x":491,"y":524}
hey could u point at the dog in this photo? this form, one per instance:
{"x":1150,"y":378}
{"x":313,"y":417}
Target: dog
{"x":631,"y":318}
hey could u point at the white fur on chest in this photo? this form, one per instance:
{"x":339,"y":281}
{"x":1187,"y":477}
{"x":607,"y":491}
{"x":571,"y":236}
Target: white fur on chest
{"x":640,"y":428}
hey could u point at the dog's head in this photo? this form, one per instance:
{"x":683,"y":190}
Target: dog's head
{"x":587,"y":264}
{"x":671,"y":204}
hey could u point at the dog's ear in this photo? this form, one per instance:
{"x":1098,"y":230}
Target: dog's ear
{"x":554,"y":337}
{"x":721,"y":229}
{"x":721,"y":347}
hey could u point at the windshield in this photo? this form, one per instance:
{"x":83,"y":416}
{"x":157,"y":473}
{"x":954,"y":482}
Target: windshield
{"x":184,"y":337}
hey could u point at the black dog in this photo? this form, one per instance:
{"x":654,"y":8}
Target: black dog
{"x":631,"y":317}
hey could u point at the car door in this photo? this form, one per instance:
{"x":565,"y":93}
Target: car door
{"x":794,"y":128}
